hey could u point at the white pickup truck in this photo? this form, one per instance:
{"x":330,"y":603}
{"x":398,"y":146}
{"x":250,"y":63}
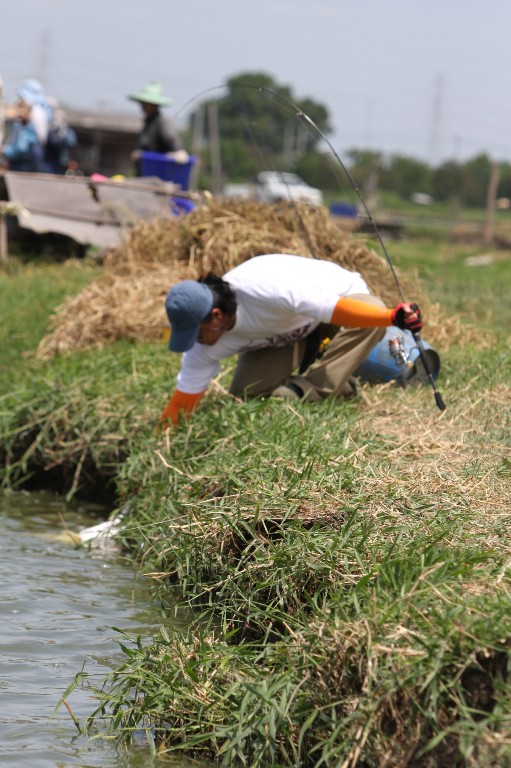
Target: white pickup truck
{"x":272,"y":186}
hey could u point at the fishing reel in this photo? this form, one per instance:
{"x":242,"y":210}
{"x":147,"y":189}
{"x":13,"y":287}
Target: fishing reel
{"x":410,"y":363}
{"x":398,"y":353}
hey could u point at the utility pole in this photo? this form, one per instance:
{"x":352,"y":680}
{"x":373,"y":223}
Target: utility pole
{"x":2,"y":111}
{"x":197,"y":143}
{"x":372,"y":182}
{"x":436,"y":120}
{"x":287,"y":152}
{"x":369,"y":124}
{"x":214,"y":143}
{"x":491,"y":198}
{"x":3,"y":221}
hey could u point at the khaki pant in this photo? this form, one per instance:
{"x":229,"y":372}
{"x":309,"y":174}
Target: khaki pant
{"x":259,"y":372}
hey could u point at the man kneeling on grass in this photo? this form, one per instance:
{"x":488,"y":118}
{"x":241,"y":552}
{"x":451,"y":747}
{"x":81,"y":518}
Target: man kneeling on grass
{"x":299,"y":326}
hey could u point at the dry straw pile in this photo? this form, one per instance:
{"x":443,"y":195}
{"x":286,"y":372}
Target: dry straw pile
{"x":128,"y":300}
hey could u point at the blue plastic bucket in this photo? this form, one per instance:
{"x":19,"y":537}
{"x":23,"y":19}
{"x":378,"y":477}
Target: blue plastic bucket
{"x":156,"y":164}
{"x":344,"y":209}
{"x":380,"y":365}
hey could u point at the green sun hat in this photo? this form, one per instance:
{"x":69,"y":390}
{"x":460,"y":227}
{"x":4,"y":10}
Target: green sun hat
{"x":151,"y":94}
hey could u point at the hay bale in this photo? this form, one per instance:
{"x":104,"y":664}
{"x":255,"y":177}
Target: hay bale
{"x":226,"y":233}
{"x":128,"y":300}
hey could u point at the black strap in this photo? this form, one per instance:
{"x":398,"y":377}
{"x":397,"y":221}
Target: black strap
{"x":311,"y":350}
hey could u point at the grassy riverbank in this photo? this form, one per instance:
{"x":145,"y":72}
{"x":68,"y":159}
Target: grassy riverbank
{"x":355,"y":557}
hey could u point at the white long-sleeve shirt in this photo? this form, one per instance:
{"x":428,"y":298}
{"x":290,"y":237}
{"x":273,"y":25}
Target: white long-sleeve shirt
{"x":280,"y":298}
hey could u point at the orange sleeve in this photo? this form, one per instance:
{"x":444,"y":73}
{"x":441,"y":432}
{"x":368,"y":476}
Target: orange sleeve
{"x":360,"y":314}
{"x":179,"y":402}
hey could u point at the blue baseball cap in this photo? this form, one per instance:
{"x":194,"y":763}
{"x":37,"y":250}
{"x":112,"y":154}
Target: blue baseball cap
{"x":187,"y":305}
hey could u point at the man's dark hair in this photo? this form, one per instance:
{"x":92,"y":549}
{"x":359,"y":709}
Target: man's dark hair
{"x":224,"y":297}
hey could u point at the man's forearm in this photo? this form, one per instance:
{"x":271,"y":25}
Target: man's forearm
{"x":360,"y":314}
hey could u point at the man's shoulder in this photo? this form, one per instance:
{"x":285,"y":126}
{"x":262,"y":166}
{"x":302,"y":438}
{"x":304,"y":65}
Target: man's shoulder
{"x":263,"y":265}
{"x":284,"y":269}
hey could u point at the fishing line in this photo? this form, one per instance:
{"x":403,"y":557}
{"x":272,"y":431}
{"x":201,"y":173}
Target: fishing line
{"x":267,"y":164}
{"x":315,"y":131}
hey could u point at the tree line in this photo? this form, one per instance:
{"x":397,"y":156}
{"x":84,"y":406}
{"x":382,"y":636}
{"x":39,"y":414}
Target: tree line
{"x":258,"y":125}
{"x":467,"y":182}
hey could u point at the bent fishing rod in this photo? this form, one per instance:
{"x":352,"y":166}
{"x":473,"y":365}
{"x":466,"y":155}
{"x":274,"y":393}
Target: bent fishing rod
{"x":301,"y":115}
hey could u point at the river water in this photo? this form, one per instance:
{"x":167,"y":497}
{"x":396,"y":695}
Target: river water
{"x":58,"y":607}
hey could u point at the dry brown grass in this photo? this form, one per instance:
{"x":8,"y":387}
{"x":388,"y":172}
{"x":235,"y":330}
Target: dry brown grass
{"x":128,"y":300}
{"x":413,"y":457}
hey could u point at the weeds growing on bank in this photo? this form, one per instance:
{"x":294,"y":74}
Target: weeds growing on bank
{"x":362,"y":602}
{"x":349,"y":563}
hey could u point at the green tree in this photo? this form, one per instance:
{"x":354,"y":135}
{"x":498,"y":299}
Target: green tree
{"x":505,"y":180}
{"x":321,"y":171}
{"x":405,"y":176}
{"x":448,"y":181}
{"x":476,"y":178}
{"x":362,"y":165}
{"x":260,"y":127}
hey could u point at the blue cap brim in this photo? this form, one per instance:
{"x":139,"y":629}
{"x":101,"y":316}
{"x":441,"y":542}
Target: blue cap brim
{"x":182,"y":341}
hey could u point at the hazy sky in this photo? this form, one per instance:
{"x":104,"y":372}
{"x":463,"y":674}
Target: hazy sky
{"x":424,"y":78}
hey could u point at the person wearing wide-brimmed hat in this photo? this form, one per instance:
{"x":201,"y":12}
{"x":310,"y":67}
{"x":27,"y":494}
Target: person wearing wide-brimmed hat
{"x":155,"y":135}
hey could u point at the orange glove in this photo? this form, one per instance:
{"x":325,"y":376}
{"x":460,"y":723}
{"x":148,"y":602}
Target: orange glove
{"x":179,"y":403}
